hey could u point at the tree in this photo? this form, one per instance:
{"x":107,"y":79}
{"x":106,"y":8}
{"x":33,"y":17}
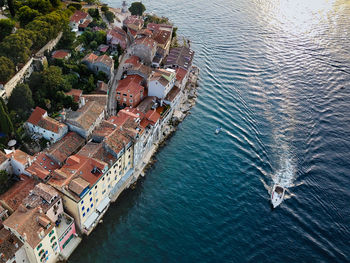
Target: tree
{"x":6,"y":126}
{"x":104,"y":8}
{"x":17,"y":46}
{"x":137,"y":9}
{"x":174,"y":32}
{"x":7,"y":69}
{"x":26,"y":15}
{"x":67,"y":39}
{"x":4,"y":181}
{"x":21,"y":100}
{"x":77,"y":6}
{"x":94,"y":13}
{"x":93,"y":45}
{"x":6,"y":27}
{"x":109,"y":16}
{"x":11,"y":7}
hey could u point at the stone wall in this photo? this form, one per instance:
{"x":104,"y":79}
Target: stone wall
{"x":28,"y":68}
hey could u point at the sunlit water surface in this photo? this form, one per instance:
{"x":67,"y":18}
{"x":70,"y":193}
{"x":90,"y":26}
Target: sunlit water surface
{"x":275,"y":75}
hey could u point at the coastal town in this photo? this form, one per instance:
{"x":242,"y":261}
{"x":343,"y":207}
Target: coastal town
{"x":105,"y":92}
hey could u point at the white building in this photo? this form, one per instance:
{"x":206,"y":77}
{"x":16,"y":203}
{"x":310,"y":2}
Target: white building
{"x":42,"y":125}
{"x":161,"y":82}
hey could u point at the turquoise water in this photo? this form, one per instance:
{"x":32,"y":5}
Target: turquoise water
{"x":276,"y":76}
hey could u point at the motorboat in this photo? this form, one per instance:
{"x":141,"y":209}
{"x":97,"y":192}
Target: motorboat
{"x":277,"y":195}
{"x":218,"y":129}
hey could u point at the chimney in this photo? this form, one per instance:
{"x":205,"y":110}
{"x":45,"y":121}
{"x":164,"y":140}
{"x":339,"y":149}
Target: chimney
{"x":24,"y":236}
{"x":29,"y":161}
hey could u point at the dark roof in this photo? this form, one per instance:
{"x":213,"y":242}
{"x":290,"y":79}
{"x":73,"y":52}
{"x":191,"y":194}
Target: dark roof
{"x":181,"y":57}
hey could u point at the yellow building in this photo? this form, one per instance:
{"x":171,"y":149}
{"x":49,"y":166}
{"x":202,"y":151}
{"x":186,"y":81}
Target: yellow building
{"x":83,"y":184}
{"x":37,"y":232}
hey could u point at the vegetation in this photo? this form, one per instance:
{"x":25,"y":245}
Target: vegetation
{"x":156,"y":19}
{"x":94,"y":13}
{"x":92,"y":39}
{"x":6,"y":126}
{"x":77,"y":6}
{"x":26,"y":15}
{"x":110,"y":16}
{"x":137,"y":8}
{"x":21,"y":101}
{"x":7,"y":69}
{"x":67,"y":40}
{"x":6,"y":27}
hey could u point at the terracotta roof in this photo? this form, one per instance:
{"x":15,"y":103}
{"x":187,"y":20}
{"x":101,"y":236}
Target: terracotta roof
{"x":85,"y":24}
{"x":134,"y":60}
{"x":29,"y":223}
{"x":172,"y":94}
{"x":15,"y":195}
{"x":104,"y":59}
{"x":75,"y":93}
{"x":97,"y":151}
{"x":156,"y":27}
{"x":36,"y":115}
{"x":162,"y":37}
{"x":145,"y":32}
{"x":86,"y":116}
{"x":117,"y":141}
{"x":119,"y":34}
{"x":130,"y":85}
{"x":180,"y":74}
{"x":134,"y":21}
{"x":91,"y":57}
{"x":78,"y":15}
{"x":43,"y":166}
{"x":9,"y":245}
{"x":143,"y":69}
{"x":103,"y":48}
{"x":100,"y":99}
{"x":60,"y":54}
{"x":3,"y":157}
{"x":78,"y":166}
{"x":153,"y":116}
{"x":104,"y":129}
{"x":68,"y":145}
{"x":20,"y":156}
{"x":146,"y":41}
{"x":40,"y":119}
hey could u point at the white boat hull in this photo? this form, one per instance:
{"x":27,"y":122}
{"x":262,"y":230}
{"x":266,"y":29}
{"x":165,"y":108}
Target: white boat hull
{"x":277,"y":195}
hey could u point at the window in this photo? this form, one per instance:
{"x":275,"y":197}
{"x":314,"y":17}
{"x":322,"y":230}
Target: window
{"x":41,"y":251}
{"x":96,"y":187}
{"x":124,"y":94}
{"x":82,"y":209}
{"x":82,"y":202}
{"x":130,"y":95}
{"x":40,"y":245}
{"x":103,"y":192}
{"x":90,"y":193}
{"x":59,"y":201}
{"x":90,"y":199}
{"x":118,"y":97}
{"x":91,"y":205}
{"x":53,"y":231}
{"x":130,"y":101}
{"x":118,"y":92}
{"x":87,"y":210}
{"x":83,"y":214}
{"x":96,"y":200}
{"x":103,"y":179}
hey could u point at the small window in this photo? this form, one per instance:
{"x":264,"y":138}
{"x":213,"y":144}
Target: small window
{"x":87,"y":210}
{"x":90,"y":199}
{"x":91,"y":205}
{"x":82,"y":209}
{"x":103,"y":179}
{"x":90,"y":193}
{"x":130,"y":101}
{"x":83,"y":214}
{"x":96,"y":200}
{"x":96,"y":187}
{"x":82,"y":202}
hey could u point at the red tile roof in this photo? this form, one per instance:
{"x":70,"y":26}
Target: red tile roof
{"x":131,"y":84}
{"x":75,"y":93}
{"x":153,"y":116}
{"x":134,"y":60}
{"x":78,"y":15}
{"x":162,"y":37}
{"x":60,"y":54}
{"x":156,"y":27}
{"x":146,"y":41}
{"x":85,"y":24}
{"x":15,"y":195}
{"x":104,"y":59}
{"x":68,"y":145}
{"x":91,"y":57}
{"x":36,"y":115}
{"x":20,"y":156}
{"x":180,"y":74}
{"x":43,"y":166}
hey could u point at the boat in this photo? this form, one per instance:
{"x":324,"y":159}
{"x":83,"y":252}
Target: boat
{"x":218,"y":129}
{"x":277,"y":195}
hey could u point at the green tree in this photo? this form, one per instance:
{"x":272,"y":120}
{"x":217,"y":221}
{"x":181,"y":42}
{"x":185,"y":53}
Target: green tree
{"x":77,"y":6}
{"x":5,"y":181}
{"x":43,"y":6}
{"x":94,"y":13}
{"x":104,"y":8}
{"x":174,"y":32}
{"x":6,"y":125}
{"x":137,"y":9}
{"x":7,"y":69}
{"x":21,"y":100}
{"x":109,"y":16}
{"x":55,"y":3}
{"x":26,"y":15}
{"x":67,"y":39}
{"x":17,"y":46}
{"x":93,"y":45}
{"x":6,"y":27}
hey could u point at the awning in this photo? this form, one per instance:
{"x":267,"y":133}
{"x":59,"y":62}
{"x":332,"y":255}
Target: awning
{"x":91,"y":219}
{"x":103,"y":204}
